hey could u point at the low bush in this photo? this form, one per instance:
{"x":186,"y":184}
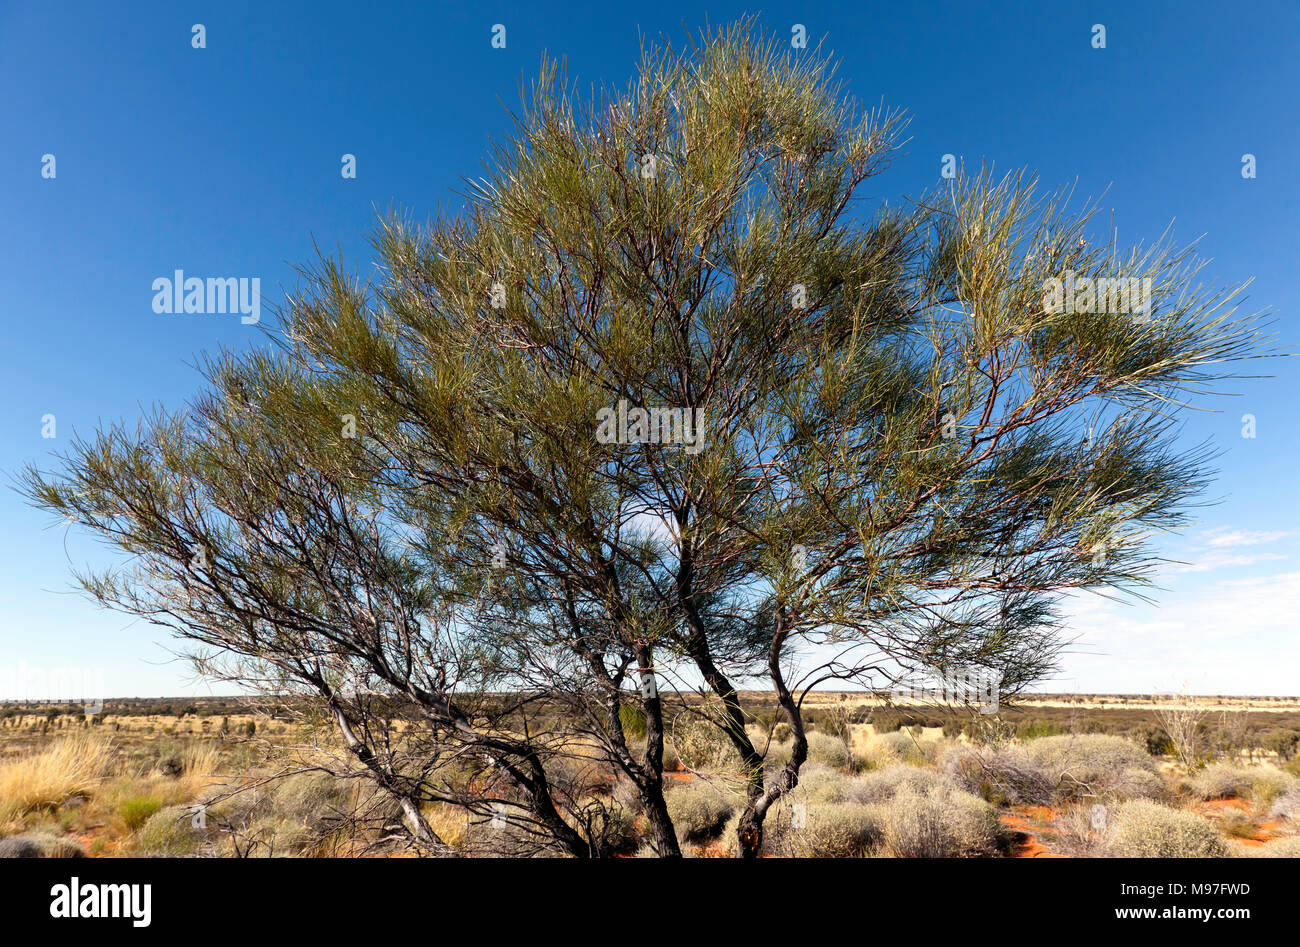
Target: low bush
{"x":1144,"y":829}
{"x":1279,"y":848}
{"x":136,"y":810}
{"x":1221,"y":780}
{"x":1005,"y":774}
{"x":1092,"y":765}
{"x":698,"y":810}
{"x":828,"y":750}
{"x":942,"y":823}
{"x":169,"y":833}
{"x":881,"y":785}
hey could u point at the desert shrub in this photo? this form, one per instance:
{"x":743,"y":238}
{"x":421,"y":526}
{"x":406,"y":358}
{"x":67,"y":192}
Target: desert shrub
{"x":310,"y":797}
{"x":1238,"y":825}
{"x":828,"y":750}
{"x":1287,"y":805}
{"x":1279,"y":848}
{"x":838,"y":830}
{"x":1155,"y":740}
{"x":1096,"y":765}
{"x":698,"y":810}
{"x":1220,"y":780}
{"x":820,"y":783}
{"x":1267,"y":784}
{"x":1144,"y":829}
{"x":613,"y":827}
{"x":671,"y":762}
{"x":834,"y":724}
{"x":782,"y":732}
{"x":39,"y":845}
{"x":699,"y":743}
{"x":1005,"y":774}
{"x":884,"y":720}
{"x":167,"y":833}
{"x":1281,"y":742}
{"x":1034,"y":729}
{"x":952,"y":729}
{"x":881,"y":785}
{"x":943,"y":823}
{"x":136,"y":810}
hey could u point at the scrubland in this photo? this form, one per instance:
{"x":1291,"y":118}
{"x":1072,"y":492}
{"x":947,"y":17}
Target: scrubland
{"x":1054,"y":780}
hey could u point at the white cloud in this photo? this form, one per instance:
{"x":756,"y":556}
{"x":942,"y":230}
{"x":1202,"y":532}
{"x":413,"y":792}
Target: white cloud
{"x":1242,"y":537}
{"x":1234,"y":636}
{"x":1206,"y":562}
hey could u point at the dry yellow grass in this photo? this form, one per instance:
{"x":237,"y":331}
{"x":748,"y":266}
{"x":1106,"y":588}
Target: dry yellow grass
{"x":68,"y":767}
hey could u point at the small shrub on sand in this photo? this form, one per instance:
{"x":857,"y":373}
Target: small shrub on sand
{"x":882,"y":785}
{"x":1267,"y":785}
{"x":802,"y":829}
{"x":820,"y":783}
{"x":698,"y":810}
{"x":944,"y":823}
{"x":1280,"y":848}
{"x":1286,"y":806}
{"x":1221,"y":780}
{"x":1144,"y":829}
{"x":837,"y":830}
{"x":39,"y":845}
{"x":1002,"y":774}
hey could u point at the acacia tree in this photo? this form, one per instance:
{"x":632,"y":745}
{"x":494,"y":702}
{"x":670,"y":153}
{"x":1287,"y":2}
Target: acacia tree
{"x":871,"y":443}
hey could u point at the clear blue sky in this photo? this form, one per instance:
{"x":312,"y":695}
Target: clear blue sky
{"x":225,"y":161}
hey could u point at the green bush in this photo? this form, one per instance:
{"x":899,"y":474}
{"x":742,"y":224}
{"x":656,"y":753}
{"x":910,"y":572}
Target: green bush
{"x":1144,"y":829}
{"x":632,"y":717}
{"x":136,"y":810}
{"x":1281,"y":742}
{"x":169,"y":833}
{"x":311,"y":797}
{"x":886,"y":721}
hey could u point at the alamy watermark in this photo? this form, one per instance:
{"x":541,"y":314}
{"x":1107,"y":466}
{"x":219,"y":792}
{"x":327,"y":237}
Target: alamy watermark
{"x":24,"y":684}
{"x":658,"y":425}
{"x":181,"y":294}
{"x":1102,"y":294}
{"x":971,"y":687}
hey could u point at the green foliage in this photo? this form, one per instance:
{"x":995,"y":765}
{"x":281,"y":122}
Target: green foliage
{"x":169,"y":833}
{"x":136,"y":810}
{"x":633,"y":719}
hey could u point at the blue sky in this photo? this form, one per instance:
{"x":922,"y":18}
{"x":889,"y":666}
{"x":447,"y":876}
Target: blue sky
{"x":225,"y":161}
